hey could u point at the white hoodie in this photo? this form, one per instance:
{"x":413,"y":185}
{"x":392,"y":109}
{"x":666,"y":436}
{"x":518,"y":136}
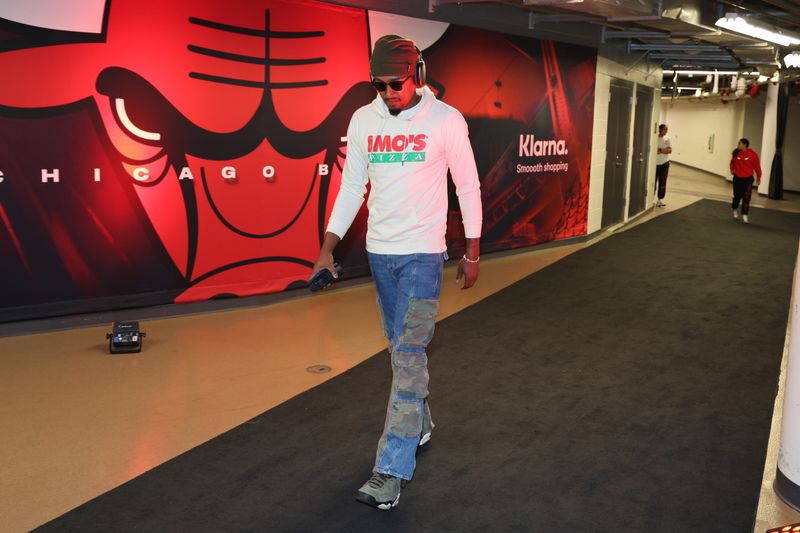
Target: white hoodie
{"x":405,"y":159}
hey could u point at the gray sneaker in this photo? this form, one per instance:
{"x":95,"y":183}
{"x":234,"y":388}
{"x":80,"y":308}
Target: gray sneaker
{"x":382,"y":491}
{"x":425,"y":438}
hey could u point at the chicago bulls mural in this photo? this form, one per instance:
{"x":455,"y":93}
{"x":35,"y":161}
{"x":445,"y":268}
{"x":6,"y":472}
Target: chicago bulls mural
{"x":192,"y":150}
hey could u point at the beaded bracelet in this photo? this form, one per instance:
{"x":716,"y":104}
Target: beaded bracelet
{"x":468,"y":260}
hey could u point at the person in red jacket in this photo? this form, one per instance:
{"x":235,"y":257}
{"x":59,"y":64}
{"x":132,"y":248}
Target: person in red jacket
{"x":744,"y":164}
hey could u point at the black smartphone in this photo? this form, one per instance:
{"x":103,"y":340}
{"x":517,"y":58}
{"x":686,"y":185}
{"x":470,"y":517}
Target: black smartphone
{"x":323,"y":278}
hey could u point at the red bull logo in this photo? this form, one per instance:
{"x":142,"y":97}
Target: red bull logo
{"x":226,"y":122}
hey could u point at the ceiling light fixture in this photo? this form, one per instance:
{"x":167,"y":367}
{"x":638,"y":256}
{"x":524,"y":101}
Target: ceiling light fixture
{"x":792,"y":60}
{"x":735,"y":23}
{"x":712,"y":72}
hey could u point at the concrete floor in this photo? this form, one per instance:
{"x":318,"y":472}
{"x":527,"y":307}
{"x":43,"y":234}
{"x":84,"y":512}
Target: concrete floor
{"x":78,"y":422}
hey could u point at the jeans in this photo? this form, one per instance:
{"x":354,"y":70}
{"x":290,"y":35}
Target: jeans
{"x":408,"y":289}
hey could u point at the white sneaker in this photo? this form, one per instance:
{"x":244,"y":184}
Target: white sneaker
{"x":659,"y":203}
{"x":745,"y":219}
{"x":735,"y":214}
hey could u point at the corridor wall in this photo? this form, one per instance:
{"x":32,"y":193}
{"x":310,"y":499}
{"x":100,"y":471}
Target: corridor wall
{"x":704,"y":133}
{"x":613,"y":63}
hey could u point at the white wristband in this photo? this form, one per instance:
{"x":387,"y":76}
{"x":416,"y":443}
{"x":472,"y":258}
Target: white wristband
{"x":468,"y":260}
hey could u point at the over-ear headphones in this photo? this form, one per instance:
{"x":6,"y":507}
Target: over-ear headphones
{"x":419,"y":70}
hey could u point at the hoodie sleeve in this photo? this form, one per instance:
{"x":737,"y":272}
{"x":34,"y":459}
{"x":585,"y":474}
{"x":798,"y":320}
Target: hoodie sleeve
{"x":458,"y":153}
{"x":757,"y":165}
{"x":354,"y":183}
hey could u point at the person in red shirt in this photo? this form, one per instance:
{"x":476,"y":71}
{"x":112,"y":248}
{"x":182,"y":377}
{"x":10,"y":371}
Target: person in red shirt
{"x":744,"y":164}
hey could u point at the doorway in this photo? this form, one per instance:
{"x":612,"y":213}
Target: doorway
{"x":619,"y":116}
{"x":641,"y":149}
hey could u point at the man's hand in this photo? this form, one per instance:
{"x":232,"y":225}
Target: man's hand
{"x":468,"y":271}
{"x":325,"y":259}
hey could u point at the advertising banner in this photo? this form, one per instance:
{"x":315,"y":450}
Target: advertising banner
{"x":181,"y":151}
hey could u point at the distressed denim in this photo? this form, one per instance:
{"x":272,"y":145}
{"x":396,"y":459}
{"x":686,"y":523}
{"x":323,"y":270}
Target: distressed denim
{"x":408,"y":289}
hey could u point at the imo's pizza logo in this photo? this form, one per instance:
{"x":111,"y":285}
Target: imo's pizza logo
{"x":229,"y":122}
{"x":397,"y":149}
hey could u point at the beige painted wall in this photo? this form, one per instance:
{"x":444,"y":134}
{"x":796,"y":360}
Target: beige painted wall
{"x":704,"y":132}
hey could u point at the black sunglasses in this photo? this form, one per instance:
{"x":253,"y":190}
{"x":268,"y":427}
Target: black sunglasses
{"x":396,"y":85}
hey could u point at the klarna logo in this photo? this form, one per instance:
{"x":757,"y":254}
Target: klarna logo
{"x":397,"y":149}
{"x":529,"y":146}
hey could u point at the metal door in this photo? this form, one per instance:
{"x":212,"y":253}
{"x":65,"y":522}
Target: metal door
{"x":641,"y":147}
{"x":619,"y":116}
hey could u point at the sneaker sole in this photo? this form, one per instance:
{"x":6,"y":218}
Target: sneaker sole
{"x":365,"y":498}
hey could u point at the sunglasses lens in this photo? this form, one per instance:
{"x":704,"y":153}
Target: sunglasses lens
{"x":396,"y":85}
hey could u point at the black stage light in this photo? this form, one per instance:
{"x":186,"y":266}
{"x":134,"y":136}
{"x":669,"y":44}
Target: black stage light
{"x":125,"y":337}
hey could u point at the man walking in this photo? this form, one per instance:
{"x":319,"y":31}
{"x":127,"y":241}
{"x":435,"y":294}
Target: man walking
{"x":662,"y":163}
{"x":403,"y":144}
{"x":743,"y":165}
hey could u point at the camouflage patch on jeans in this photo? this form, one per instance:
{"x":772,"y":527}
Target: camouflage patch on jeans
{"x":411,"y":372}
{"x":405,"y":418}
{"x":419,"y":322}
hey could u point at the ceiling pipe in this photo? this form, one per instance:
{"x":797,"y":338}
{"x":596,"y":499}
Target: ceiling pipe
{"x":633,"y":34}
{"x":679,"y":47}
{"x":694,"y":57}
{"x":681,"y":65}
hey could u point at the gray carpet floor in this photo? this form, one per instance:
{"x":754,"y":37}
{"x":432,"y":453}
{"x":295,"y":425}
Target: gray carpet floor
{"x":627,"y":387}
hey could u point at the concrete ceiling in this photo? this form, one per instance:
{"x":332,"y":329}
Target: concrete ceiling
{"x":677,"y":34}
{"x":670,"y":34}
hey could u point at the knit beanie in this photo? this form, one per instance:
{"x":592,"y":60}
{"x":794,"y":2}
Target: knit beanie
{"x":393,"y":56}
